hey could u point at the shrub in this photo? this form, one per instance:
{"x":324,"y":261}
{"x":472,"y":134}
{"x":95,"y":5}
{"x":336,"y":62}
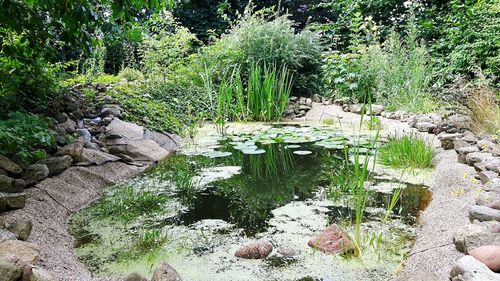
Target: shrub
{"x":26,"y":79}
{"x":131,"y":74}
{"x":406,"y":152}
{"x":25,"y":136}
{"x":106,"y":79}
{"x":255,"y":39}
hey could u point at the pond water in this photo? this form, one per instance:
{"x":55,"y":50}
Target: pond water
{"x":281,"y":183}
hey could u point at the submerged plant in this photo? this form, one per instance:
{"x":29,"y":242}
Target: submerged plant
{"x":407,"y":152}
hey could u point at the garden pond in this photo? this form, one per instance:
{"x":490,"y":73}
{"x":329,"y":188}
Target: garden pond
{"x":284,"y":183}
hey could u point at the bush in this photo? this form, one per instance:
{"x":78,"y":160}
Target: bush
{"x":406,"y":152}
{"x":25,"y":136}
{"x":131,"y":74}
{"x":26,"y":79}
{"x":255,"y":39}
{"x":469,"y":39}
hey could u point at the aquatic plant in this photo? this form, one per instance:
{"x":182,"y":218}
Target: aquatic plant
{"x":267,"y":97}
{"x":150,"y":239}
{"x":406,"y":152}
{"x":274,"y":162}
{"x":126,"y":203}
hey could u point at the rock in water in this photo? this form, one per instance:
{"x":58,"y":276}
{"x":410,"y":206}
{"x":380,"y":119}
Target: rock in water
{"x":332,"y":240}
{"x":469,"y":268}
{"x":489,"y":255}
{"x":255,"y":250}
{"x":164,"y":272}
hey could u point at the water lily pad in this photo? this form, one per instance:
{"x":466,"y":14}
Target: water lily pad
{"x":292,"y":146}
{"x":218,"y":154}
{"x":253,"y":151}
{"x":302,"y":152}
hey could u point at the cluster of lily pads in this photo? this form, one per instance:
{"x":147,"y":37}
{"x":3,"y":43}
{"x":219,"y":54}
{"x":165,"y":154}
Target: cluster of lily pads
{"x":292,"y":137}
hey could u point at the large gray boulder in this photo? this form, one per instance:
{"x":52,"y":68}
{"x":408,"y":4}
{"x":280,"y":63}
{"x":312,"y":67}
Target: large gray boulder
{"x":469,"y":268}
{"x":35,"y":273}
{"x":167,"y":141}
{"x":141,"y":150}
{"x":121,"y":129}
{"x":73,"y":149}
{"x":96,"y":157}
{"x":57,"y":164}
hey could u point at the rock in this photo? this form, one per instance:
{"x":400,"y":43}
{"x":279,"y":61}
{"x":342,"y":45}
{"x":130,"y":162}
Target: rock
{"x":135,"y":277}
{"x":489,"y":255}
{"x":107,"y":120}
{"x":20,"y":252}
{"x":469,"y":268}
{"x":164,"y":272}
{"x":333,"y":240}
{"x":495,"y":205}
{"x":487,"y":176}
{"x":456,"y":123}
{"x":21,"y":228}
{"x":3,"y":172}
{"x":12,"y":201}
{"x":57,"y":164}
{"x":255,"y":250}
{"x":167,"y":141}
{"x":35,"y":273}
{"x":67,"y":127}
{"x":287,"y":252}
{"x":355,"y":108}
{"x":84,"y":134}
{"x":120,"y":129}
{"x":448,"y":140}
{"x":74,"y":150}
{"x":61,"y":117}
{"x":36,"y":173}
{"x":143,"y":150}
{"x":473,"y":236}
{"x":493,"y":185}
{"x":10,"y":185}
{"x":485,"y":145}
{"x":9,"y":271}
{"x":6,"y":235}
{"x":475,"y":157}
{"x":96,"y":157}
{"x":426,"y":127}
{"x":469,"y":137}
{"x":316,"y":98}
{"x":492,"y":164}
{"x":483,"y":213}
{"x":9,"y":166}
{"x":111,"y":109}
{"x":377,"y":109}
